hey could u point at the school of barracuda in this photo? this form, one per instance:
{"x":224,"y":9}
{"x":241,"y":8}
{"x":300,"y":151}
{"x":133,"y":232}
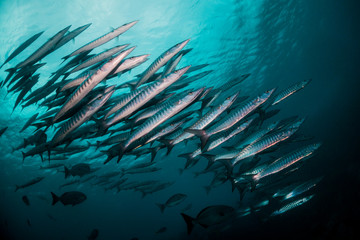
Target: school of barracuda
{"x":158,"y":109}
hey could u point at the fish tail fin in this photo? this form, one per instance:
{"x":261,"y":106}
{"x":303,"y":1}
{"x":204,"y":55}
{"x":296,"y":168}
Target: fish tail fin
{"x":189,"y":222}
{"x":228,"y":165}
{"x":161,"y":206}
{"x":207,"y":189}
{"x":168,"y":144}
{"x":204,"y":137}
{"x":154,"y":152}
{"x":23,"y":155}
{"x":188,"y":158}
{"x":241,"y":187}
{"x":54,"y":198}
{"x":121,"y":152}
{"x":65,"y":58}
{"x":17,"y":187}
{"x":67,"y":172}
{"x":210,"y":158}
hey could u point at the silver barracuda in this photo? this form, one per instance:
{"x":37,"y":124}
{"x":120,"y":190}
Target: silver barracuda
{"x":290,"y":90}
{"x":131,"y":62}
{"x":103,"y":39}
{"x":91,"y":82}
{"x":99,"y":57}
{"x":166,"y":130}
{"x":78,"y":80}
{"x":267,"y":142}
{"x":210,"y":116}
{"x":71,"y":35}
{"x":234,"y":117}
{"x":287,"y":160}
{"x":160,"y":61}
{"x":146,"y":95}
{"x":292,"y":205}
{"x":45,"y":49}
{"x":167,"y":112}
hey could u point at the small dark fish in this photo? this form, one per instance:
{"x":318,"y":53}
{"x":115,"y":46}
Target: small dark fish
{"x":80,"y":169}
{"x":28,"y":222}
{"x":69,"y":198}
{"x":29,"y":122}
{"x":209,"y":216}
{"x":94,"y":234}
{"x":31,"y":182}
{"x":161,"y":230}
{"x":172,"y":201}
{"x":26,"y":200}
{"x":3,"y":130}
{"x":22,"y":47}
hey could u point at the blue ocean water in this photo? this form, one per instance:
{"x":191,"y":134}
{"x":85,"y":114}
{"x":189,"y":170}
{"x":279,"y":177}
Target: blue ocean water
{"x":278,"y":42}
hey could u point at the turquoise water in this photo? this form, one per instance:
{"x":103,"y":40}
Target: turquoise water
{"x":278,"y":42}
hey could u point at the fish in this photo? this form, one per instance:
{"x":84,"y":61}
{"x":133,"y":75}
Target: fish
{"x":2,"y":130}
{"x":94,"y":234}
{"x":26,"y":200}
{"x":302,"y":188}
{"x":99,"y":57}
{"x":287,"y":160}
{"x":45,"y":49}
{"x":79,"y":169}
{"x":71,"y":35}
{"x":82,"y":116}
{"x":29,"y":122}
{"x":209,"y":216}
{"x":174,"y":200}
{"x":292,"y":205}
{"x":90,"y":83}
{"x":29,"y":183}
{"x":160,"y":61}
{"x":69,"y":198}
{"x":289,"y":91}
{"x":101,"y":40}
{"x":172,"y":108}
{"x":161,"y":230}
{"x":231,"y":119}
{"x":22,"y":47}
{"x":144,"y":96}
{"x":130,"y":63}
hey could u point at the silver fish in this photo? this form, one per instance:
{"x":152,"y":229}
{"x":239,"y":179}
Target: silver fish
{"x":290,"y":90}
{"x":292,"y":205}
{"x":160,"y":61}
{"x":103,"y":39}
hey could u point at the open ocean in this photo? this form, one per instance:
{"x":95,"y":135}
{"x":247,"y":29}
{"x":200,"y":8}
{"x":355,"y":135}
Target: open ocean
{"x":278,"y":43}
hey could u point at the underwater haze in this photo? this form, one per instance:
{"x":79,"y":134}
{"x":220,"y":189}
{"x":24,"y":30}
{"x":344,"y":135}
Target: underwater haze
{"x":240,"y":48}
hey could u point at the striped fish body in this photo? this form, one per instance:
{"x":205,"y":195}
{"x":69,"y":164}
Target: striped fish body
{"x":290,"y":91}
{"x":146,"y":95}
{"x":208,"y":118}
{"x":160,"y":61}
{"x":300,"y":189}
{"x":264,"y":143}
{"x":71,"y":35}
{"x":164,"y":131}
{"x":227,"y":135}
{"x":171,"y":65}
{"x":170,"y":110}
{"x":77,"y":81}
{"x":103,"y":39}
{"x":132,"y":62}
{"x":98,"y":58}
{"x":240,"y":113}
{"x":45,"y":49}
{"x":91,"y":82}
{"x":292,"y":205}
{"x":287,"y":161}
{"x":82,"y":116}
{"x":123,"y":101}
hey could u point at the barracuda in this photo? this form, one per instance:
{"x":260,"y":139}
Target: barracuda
{"x":292,"y":205}
{"x":103,"y":39}
{"x":45,"y":49}
{"x":287,"y":160}
{"x":167,"y":112}
{"x":100,"y":57}
{"x":160,"y":61}
{"x":207,"y":118}
{"x":71,"y":35}
{"x":234,"y":117}
{"x":267,"y":142}
{"x":82,"y":116}
{"x":144,"y":96}
{"x":131,"y":62}
{"x":91,"y":83}
{"x":290,"y":91}
{"x":22,"y":47}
